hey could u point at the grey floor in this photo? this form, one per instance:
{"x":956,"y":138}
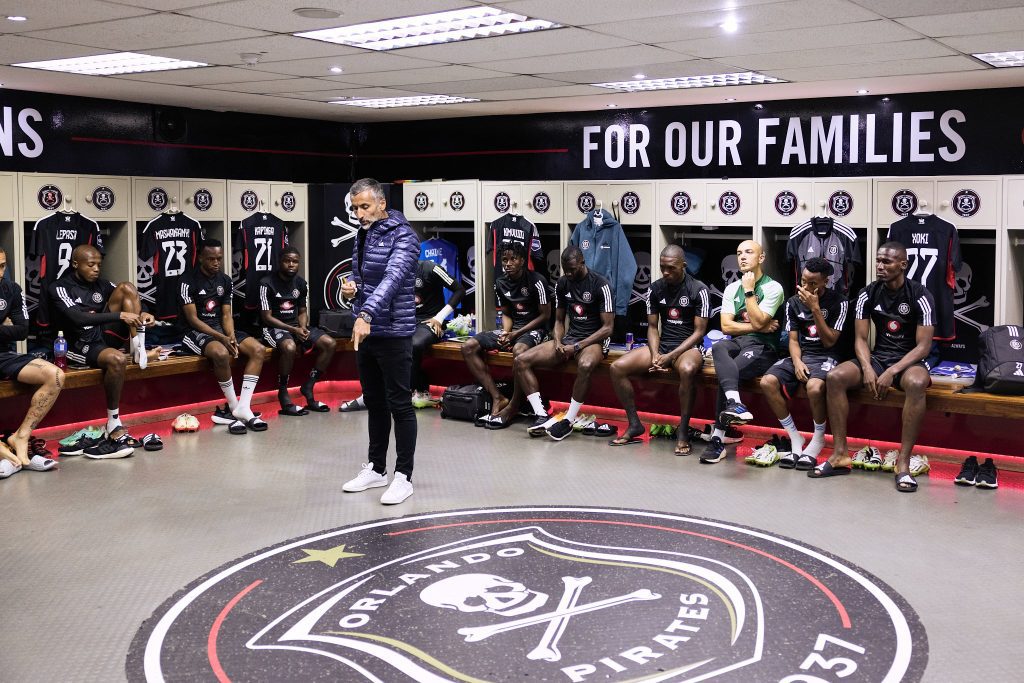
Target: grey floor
{"x":88,"y":552}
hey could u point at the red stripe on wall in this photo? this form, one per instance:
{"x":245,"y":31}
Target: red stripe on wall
{"x":212,"y":148}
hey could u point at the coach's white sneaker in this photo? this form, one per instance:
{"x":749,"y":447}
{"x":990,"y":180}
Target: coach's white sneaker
{"x":400,"y":489}
{"x":366,"y":479}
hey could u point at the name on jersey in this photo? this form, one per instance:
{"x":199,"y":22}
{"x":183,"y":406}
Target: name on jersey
{"x":919,"y":238}
{"x":514,"y":233}
{"x":172,"y":232}
{"x":67,"y":234}
{"x":436,"y":251}
{"x":265,"y":230}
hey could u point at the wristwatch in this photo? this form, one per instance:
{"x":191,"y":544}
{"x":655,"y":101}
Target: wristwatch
{"x":366,"y":317}
{"x":576,"y":347}
{"x":749,"y":293}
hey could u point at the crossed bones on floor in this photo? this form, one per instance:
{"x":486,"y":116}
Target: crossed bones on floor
{"x":558,"y":620}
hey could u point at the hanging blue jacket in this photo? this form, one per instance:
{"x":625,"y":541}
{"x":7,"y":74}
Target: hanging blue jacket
{"x":607,"y":253}
{"x":385,"y":272}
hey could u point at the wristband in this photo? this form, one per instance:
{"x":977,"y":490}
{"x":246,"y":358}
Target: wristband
{"x":443,"y":313}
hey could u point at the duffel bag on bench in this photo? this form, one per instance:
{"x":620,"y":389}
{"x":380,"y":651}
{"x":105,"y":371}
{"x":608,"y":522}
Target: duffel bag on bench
{"x":469,"y":401}
{"x":338,"y":324}
{"x":1001,"y":361}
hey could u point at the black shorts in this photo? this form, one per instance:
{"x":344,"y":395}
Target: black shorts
{"x":195,"y":342}
{"x":113,"y":335}
{"x":272,"y":336}
{"x":785,"y":371}
{"x":569,"y":341}
{"x":12,"y":363}
{"x":489,"y":340}
{"x":881,"y":364}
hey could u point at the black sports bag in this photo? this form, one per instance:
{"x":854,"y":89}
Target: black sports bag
{"x":338,"y":324}
{"x":1001,"y":365}
{"x":469,"y":401}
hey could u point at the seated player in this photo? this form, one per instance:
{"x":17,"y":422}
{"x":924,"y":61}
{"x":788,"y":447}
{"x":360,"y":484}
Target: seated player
{"x":523,"y":301}
{"x":815,"y":318}
{"x":286,"y":328}
{"x":585,"y":299}
{"x":681,"y":304}
{"x":100,"y":319}
{"x":749,"y":306}
{"x":205,"y":300}
{"x":48,"y":378}
{"x":903,"y":313}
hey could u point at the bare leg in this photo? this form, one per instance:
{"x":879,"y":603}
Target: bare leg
{"x":816,"y":395}
{"x":220,"y":359}
{"x":49,"y":379}
{"x":633,"y":363}
{"x":113,"y":364}
{"x":914,"y":382}
{"x":845,"y":377}
{"x":472,"y":353}
{"x":254,"y":353}
{"x":688,"y":367}
{"x":772,"y":389}
{"x":587,"y":359}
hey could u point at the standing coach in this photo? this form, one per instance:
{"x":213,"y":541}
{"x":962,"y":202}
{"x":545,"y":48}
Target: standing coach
{"x":384,"y":260}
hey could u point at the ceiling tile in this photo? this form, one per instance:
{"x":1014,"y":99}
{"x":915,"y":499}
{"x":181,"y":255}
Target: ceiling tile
{"x":364,"y":62}
{"x":552,"y":42}
{"x":364,"y":93}
{"x":539,"y":93}
{"x":596,"y":59}
{"x":862,"y":33}
{"x":277,"y":48}
{"x":488,"y":84}
{"x":986,"y":42}
{"x":281,"y":85}
{"x":148,"y":32}
{"x":693,"y":67}
{"x":602,"y":11}
{"x":201,"y":76}
{"x":859,"y":72}
{"x":21,"y":49}
{"x":755,"y":19}
{"x":849,"y":54}
{"x":45,"y":14}
{"x":277,"y":16}
{"x":164,"y":5}
{"x":437,"y":74}
{"x":914,"y":8}
{"x":989,"y":21}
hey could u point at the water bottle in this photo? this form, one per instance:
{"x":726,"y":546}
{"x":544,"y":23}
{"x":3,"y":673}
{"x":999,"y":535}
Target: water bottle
{"x":629,"y":340}
{"x":60,"y":351}
{"x":497,"y":320}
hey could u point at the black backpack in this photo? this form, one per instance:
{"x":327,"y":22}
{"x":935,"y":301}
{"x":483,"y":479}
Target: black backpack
{"x":1001,"y":365}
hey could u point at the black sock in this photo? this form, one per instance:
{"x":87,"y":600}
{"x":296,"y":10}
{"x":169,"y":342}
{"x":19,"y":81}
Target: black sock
{"x":307,"y":386}
{"x":282,"y":390}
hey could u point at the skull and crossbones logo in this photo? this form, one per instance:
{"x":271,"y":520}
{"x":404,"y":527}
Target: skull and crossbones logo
{"x":961,"y":308}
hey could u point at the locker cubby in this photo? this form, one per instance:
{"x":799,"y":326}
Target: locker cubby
{"x":778,"y":265}
{"x":1011,"y":298}
{"x":463,"y":235}
{"x":647,"y":271}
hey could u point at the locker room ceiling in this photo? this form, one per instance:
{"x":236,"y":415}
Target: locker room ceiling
{"x":825,"y":48}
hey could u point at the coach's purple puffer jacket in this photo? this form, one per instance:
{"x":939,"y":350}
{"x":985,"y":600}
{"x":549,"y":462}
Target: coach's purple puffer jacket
{"x":386,"y":275}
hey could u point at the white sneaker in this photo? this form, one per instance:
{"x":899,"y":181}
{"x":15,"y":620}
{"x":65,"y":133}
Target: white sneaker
{"x":919,"y":465}
{"x":366,"y":479}
{"x":400,"y":489}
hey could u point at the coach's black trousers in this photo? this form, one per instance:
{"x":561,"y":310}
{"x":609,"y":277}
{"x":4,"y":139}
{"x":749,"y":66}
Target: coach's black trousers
{"x":384,"y":370}
{"x":737,"y":359}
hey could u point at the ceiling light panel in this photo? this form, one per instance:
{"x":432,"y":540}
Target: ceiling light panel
{"x":1002,"y":59}
{"x":112,"y":64}
{"x":710,"y":81}
{"x":430,"y":29}
{"x":418,"y":101}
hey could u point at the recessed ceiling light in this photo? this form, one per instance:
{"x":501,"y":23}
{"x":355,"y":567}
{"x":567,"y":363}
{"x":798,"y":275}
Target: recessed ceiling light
{"x":611,"y":105}
{"x":639,"y":75}
{"x":335,"y":69}
{"x":112,"y":64}
{"x":1002,"y":59}
{"x":17,"y":17}
{"x":862,"y":91}
{"x":730,"y":99}
{"x":885,"y":99}
{"x":429,"y":29}
{"x":746,"y":78}
{"x":730,"y":25}
{"x":417,"y":101}
{"x":316,"y":13}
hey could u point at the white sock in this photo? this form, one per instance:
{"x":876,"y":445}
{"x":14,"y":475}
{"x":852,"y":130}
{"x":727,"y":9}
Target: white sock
{"x":113,"y":420}
{"x":242,"y":411}
{"x":719,"y":432}
{"x":733,"y":396}
{"x":140,"y":341}
{"x":794,"y":436}
{"x":817,"y":441}
{"x":228,"y":387}
{"x":574,"y":409}
{"x":536,"y":403}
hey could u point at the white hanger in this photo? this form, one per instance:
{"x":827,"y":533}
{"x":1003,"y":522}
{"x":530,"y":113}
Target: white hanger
{"x":68,"y":208}
{"x":173,"y":208}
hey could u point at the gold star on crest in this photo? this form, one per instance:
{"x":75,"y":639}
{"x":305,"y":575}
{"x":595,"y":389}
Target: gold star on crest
{"x":329,"y":557}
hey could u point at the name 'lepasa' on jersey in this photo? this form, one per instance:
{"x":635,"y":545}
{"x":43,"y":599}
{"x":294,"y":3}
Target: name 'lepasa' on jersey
{"x":431,"y":280}
{"x":767,"y":293}
{"x":829,"y":239}
{"x":209,"y":294}
{"x":54,"y":238}
{"x":677,"y":306}
{"x":522,"y":298}
{"x":264,"y":236}
{"x":834,"y":308}
{"x":514,"y":229}
{"x":933,"y":257}
{"x":283,"y":298}
{"x":172,"y":240}
{"x":584,"y":301}
{"x":896,"y":315}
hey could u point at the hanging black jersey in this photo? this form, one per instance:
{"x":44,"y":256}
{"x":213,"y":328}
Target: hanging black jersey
{"x":799,"y":319}
{"x":283,"y":298}
{"x":13,"y":309}
{"x":263,"y":237}
{"x":209,"y":294}
{"x":896,"y":315}
{"x":54,"y":238}
{"x":521,"y":298}
{"x":677,"y":306}
{"x":77,"y":307}
{"x":431,"y":281}
{"x":584,"y":301}
{"x":832,"y":241}
{"x":512,"y":229}
{"x":933,"y":257}
{"x":173,"y":241}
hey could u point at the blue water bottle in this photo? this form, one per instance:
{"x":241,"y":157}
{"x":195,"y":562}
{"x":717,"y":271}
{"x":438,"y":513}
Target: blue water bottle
{"x":60,"y":351}
{"x":497,"y":320}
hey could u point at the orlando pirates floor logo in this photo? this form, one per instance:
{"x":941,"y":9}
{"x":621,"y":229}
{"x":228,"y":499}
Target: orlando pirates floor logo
{"x":538,"y":593}
{"x":157,"y":199}
{"x":457,"y":201}
{"x":502,"y":202}
{"x":586,"y":202}
{"x":630,"y":202}
{"x":966,"y":203}
{"x":250,"y":200}
{"x":420,"y":201}
{"x":785,"y":203}
{"x":50,"y":197}
{"x":840,"y":203}
{"x":541,"y":202}
{"x":904,"y":203}
{"x":103,"y":198}
{"x":729,"y":203}
{"x":681,"y":203}
{"x":288,"y":201}
{"x":202,"y":199}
